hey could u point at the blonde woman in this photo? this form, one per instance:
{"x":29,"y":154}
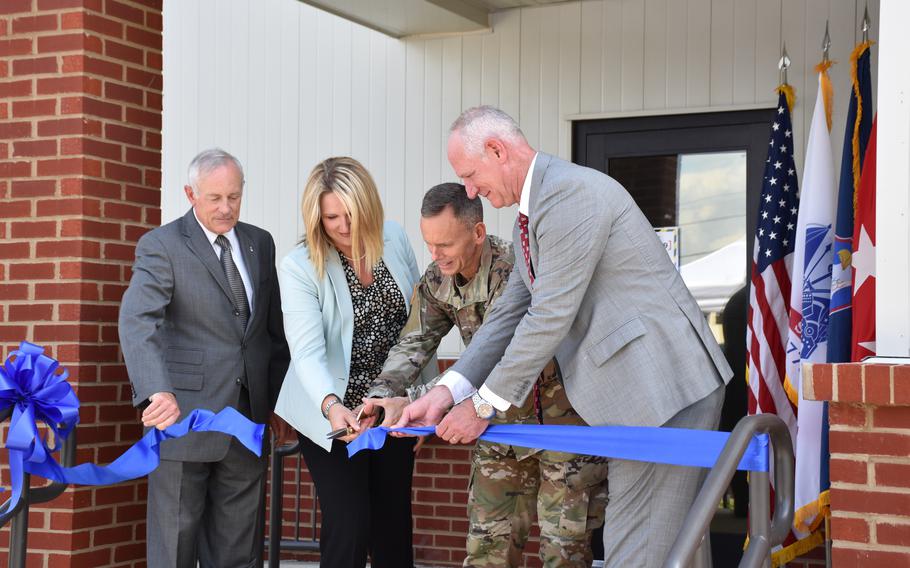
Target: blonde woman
{"x":345,"y":294}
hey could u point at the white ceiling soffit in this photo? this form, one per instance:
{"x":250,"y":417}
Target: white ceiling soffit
{"x":402,"y":18}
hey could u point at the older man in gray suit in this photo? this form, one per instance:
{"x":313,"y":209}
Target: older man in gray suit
{"x":201,"y":327}
{"x":592,"y":286}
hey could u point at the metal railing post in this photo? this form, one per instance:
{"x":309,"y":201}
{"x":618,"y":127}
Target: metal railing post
{"x":764,"y":534}
{"x":18,"y":537}
{"x":275,"y":543}
{"x":276,"y":502}
{"x":18,"y":518}
{"x":759,"y":549}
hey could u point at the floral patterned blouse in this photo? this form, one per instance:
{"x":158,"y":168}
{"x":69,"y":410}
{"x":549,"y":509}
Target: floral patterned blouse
{"x":380,"y":313}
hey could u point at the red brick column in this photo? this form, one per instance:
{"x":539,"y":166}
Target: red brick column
{"x":869,"y":414}
{"x":80,"y":160}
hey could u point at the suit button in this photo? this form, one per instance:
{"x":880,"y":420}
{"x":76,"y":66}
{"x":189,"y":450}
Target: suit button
{"x":238,"y":381}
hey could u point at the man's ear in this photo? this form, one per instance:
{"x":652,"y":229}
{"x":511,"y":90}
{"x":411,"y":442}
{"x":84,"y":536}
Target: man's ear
{"x":480,"y":233}
{"x":188,"y":190}
{"x":497,"y":149}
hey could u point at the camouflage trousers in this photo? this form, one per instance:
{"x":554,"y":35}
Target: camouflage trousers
{"x":512,"y":486}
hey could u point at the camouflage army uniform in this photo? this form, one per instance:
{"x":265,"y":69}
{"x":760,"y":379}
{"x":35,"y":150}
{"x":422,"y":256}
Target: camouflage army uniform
{"x":510,"y":485}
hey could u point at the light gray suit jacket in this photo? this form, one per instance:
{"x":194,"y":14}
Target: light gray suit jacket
{"x":632,"y":344}
{"x":179,"y":332}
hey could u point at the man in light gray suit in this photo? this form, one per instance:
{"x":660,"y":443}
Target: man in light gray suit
{"x":594,"y":287}
{"x":201,"y":327}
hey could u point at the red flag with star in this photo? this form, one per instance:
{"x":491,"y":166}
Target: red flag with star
{"x":864,"y":258}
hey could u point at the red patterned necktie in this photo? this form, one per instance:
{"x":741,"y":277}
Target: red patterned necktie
{"x":526,"y":249}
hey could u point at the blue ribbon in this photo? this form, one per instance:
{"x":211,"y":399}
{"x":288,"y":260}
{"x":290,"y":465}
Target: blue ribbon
{"x":673,"y":446}
{"x":31,"y":384}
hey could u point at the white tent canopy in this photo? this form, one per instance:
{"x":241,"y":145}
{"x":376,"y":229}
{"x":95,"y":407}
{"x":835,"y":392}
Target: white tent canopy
{"x":713,"y":278}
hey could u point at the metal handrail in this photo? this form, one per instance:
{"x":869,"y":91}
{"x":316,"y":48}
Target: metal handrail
{"x":18,"y":516}
{"x":764,"y":532}
{"x":275,"y":543}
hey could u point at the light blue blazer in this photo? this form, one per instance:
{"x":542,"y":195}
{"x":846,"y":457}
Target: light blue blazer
{"x":319,"y":324}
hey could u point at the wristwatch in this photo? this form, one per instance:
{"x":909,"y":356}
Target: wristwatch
{"x":483,"y":408}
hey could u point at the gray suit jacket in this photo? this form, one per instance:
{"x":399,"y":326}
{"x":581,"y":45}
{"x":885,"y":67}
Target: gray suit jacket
{"x":179,"y":332}
{"x":631,"y":342}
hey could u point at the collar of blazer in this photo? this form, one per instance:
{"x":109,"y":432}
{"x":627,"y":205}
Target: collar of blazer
{"x":540,"y":168}
{"x":200,"y":246}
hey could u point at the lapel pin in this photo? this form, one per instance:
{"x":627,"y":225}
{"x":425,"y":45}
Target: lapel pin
{"x":251,"y":249}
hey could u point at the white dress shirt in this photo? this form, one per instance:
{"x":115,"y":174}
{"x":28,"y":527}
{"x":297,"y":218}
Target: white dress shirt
{"x":236,"y":254}
{"x":460,"y":387}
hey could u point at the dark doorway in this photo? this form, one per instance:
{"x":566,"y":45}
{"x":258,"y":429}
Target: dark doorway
{"x":652,"y":142}
{"x":701,"y":174}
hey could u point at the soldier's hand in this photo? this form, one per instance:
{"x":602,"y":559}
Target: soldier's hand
{"x":162,"y":412}
{"x":461,"y":425}
{"x":391,"y":408}
{"x":427,"y":410}
{"x":367,"y":413}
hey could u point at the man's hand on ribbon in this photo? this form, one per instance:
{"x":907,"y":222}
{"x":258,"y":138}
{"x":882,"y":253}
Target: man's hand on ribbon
{"x":427,"y":410}
{"x":392,"y":409}
{"x":162,"y":412}
{"x":462,"y":425}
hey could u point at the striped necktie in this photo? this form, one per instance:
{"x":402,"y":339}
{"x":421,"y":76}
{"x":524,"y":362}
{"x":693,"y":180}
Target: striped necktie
{"x":526,"y":249}
{"x":241,"y":305}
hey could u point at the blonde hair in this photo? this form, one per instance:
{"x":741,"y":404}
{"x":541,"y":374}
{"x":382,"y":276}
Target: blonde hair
{"x":354,"y":186}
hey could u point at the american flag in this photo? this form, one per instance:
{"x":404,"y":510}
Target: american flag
{"x":772,"y":267}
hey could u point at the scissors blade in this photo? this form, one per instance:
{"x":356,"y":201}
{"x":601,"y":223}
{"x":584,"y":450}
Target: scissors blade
{"x":338,"y":433}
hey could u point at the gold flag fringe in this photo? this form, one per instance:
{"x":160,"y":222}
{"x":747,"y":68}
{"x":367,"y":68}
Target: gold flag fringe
{"x":789,"y":93}
{"x":827,"y":89}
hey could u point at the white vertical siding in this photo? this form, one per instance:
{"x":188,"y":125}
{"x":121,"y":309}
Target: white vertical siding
{"x":283,"y":85}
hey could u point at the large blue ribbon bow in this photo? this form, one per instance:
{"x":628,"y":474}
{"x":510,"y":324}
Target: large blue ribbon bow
{"x":31,"y":384}
{"x":674,"y":446}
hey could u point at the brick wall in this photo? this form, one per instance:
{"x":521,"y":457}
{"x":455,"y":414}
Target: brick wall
{"x":80,"y":159}
{"x":869,"y":414}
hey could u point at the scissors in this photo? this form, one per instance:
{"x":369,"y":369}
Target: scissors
{"x":346,"y":431}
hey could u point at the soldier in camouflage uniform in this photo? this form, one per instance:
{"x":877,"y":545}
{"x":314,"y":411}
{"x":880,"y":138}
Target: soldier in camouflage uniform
{"x":510,"y":485}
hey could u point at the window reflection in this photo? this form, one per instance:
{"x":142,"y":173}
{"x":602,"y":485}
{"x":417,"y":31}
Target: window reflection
{"x":705,"y":196}
{"x":712,"y":202}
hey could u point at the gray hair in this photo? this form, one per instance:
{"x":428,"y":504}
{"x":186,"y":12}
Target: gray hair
{"x":478,"y":124}
{"x":208,"y":161}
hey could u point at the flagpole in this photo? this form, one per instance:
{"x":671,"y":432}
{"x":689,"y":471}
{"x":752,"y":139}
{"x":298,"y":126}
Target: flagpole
{"x":826,"y":46}
{"x":866,"y":23}
{"x":770,"y":276}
